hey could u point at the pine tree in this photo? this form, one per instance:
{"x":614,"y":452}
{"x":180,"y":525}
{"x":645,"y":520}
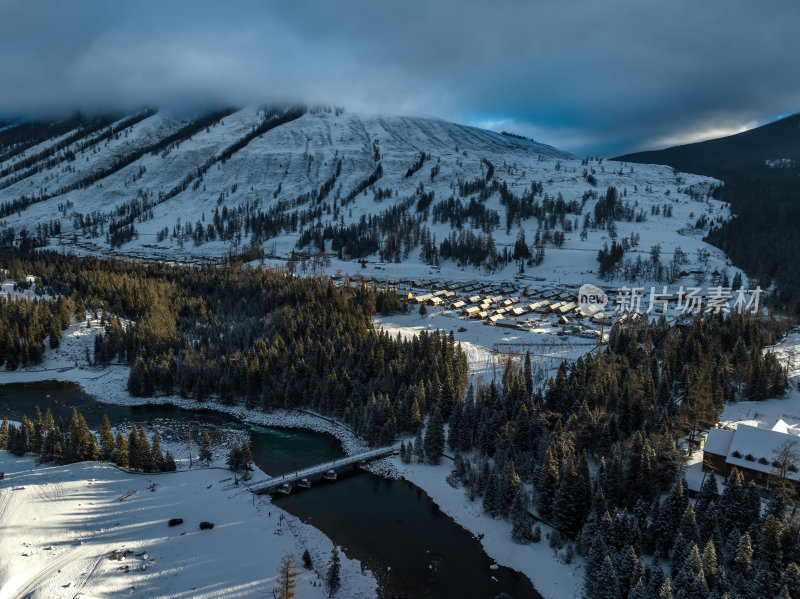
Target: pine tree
{"x":419,"y":450}
{"x":490,"y":496}
{"x":710,"y":565}
{"x":38,"y":431}
{"x":630,"y":570}
{"x":708,"y":493}
{"x":157,"y":458}
{"x":768,"y":568}
{"x":510,"y":486}
{"x":93,"y":449}
{"x":434,"y":437}
{"x":4,"y":434}
{"x":134,"y":460}
{"x":287,"y":577}
{"x":247,"y":457}
{"x":333,"y":578}
{"x":520,"y":520}
{"x":121,"y":455}
{"x":607,"y":584}
{"x":691,"y":582}
{"x":143,"y":451}
{"x":169,"y":463}
{"x":791,"y":580}
{"x":234,"y":460}
{"x":308,"y":564}
{"x":594,"y":562}
{"x":546,"y":482}
{"x":107,"y":443}
{"x":205,"y":452}
{"x":741,"y":569}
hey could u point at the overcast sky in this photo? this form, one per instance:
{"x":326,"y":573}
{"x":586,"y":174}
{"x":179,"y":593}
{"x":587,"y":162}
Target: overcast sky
{"x":590,"y":76}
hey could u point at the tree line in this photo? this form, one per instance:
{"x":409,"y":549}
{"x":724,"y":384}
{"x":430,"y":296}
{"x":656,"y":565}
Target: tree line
{"x":259,"y":336}
{"x":67,"y":442}
{"x":594,"y":455}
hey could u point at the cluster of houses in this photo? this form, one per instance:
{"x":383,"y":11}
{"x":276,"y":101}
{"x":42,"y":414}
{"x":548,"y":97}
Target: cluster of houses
{"x":511,"y":306}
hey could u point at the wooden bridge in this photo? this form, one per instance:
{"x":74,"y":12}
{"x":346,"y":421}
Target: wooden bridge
{"x":288,"y":480}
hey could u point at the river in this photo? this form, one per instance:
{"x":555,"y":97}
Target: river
{"x":391,"y":526}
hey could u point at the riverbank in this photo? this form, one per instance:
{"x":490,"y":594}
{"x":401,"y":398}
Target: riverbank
{"x":553,"y":578}
{"x":62,"y":523}
{"x":107,"y":385}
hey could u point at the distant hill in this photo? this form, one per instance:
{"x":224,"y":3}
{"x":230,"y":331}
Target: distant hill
{"x":748,"y":150}
{"x":761,"y":172}
{"x":324,"y":188}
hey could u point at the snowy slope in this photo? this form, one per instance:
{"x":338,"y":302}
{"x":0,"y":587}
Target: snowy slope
{"x":164,"y":197}
{"x":62,"y":523}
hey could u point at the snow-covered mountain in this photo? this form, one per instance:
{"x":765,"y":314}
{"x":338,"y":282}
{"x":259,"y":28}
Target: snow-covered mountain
{"x":415,"y":192}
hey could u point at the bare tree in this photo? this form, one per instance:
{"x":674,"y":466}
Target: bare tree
{"x":287,"y":577}
{"x":786,"y":462}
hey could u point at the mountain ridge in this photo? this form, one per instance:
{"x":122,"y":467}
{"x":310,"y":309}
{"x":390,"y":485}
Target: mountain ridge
{"x":760,"y":169}
{"x":414,"y":191}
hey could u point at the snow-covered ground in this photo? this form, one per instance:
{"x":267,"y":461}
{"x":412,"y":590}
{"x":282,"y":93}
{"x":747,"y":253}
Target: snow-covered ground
{"x":487,"y":347}
{"x":61,"y":524}
{"x":240,"y":560}
{"x":766,"y":413}
{"x":551,"y":577}
{"x":292,"y":162}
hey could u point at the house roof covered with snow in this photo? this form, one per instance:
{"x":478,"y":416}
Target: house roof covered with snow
{"x":757,"y":448}
{"x":718,"y":441}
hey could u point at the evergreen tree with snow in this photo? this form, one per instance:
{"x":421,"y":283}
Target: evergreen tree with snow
{"x":333,"y":578}
{"x":594,"y":563}
{"x":791,"y":580}
{"x":490,"y":496}
{"x":690,"y":583}
{"x":434,"y":437}
{"x":607,"y":584}
{"x":741,"y":568}
{"x":121,"y":454}
{"x":710,"y":564}
{"x":156,"y":456}
{"x":107,"y":443}
{"x":169,"y":463}
{"x":134,"y":460}
{"x":520,"y":520}
{"x":768,"y":568}
{"x":546,"y":482}
{"x":708,"y":492}
{"x":234,"y":459}
{"x":4,"y":434}
{"x":630,"y":570}
{"x":419,"y":450}
{"x":510,"y":488}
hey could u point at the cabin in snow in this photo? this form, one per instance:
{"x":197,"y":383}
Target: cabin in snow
{"x":757,"y":452}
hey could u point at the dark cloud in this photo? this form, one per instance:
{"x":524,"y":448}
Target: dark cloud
{"x":585,"y":75}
